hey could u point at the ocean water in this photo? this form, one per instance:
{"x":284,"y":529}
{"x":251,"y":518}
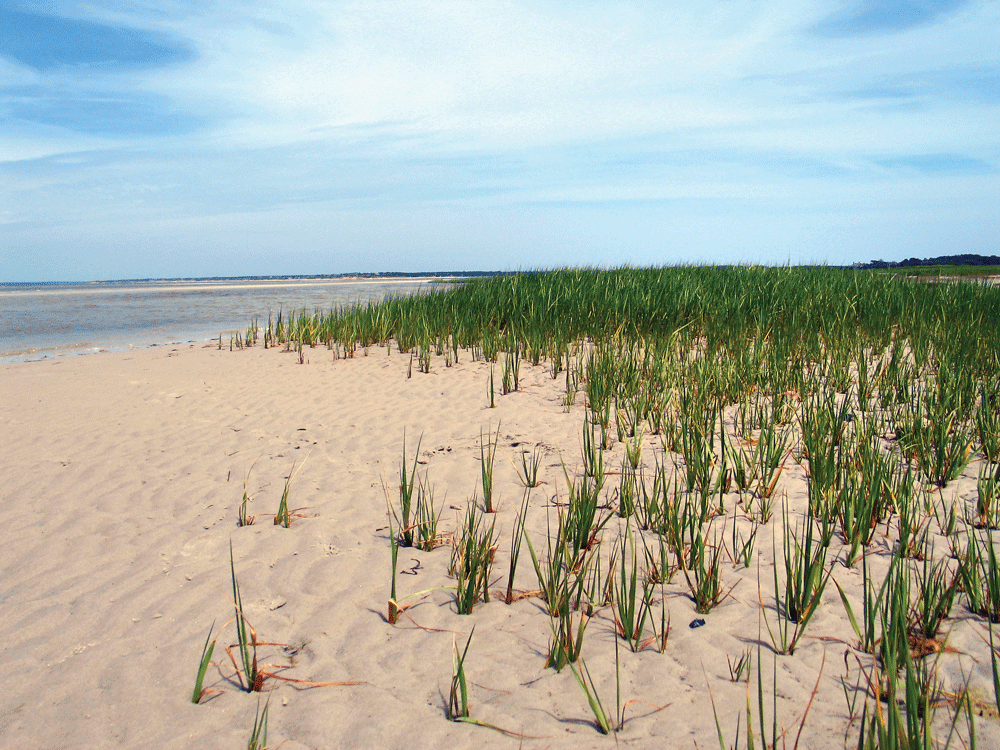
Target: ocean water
{"x":55,"y":320}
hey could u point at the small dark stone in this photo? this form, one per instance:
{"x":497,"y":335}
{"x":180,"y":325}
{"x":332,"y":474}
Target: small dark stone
{"x":696,"y":623}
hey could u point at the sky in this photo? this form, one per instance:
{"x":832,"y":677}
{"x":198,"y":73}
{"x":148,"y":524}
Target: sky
{"x":182,"y":138}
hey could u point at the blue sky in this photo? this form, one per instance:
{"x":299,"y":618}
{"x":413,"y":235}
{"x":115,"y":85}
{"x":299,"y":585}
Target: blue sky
{"x":174,"y":138}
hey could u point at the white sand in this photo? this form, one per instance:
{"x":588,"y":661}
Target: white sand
{"x":121,"y":479}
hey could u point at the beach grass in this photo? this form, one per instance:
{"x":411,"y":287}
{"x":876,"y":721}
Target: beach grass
{"x":528,"y":471}
{"x":879,"y":392}
{"x":487,"y":458}
{"x":806,"y":575}
{"x":251,"y":678}
{"x":258,"y":735}
{"x":458,"y":696}
{"x":472,"y":560}
{"x":203,"y":664}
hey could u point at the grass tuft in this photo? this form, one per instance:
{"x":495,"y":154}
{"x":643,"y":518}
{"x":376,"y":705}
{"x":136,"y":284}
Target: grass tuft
{"x":258,"y":737}
{"x":203,"y":664}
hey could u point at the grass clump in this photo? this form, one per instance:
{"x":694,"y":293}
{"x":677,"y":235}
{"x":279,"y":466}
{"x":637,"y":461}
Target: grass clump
{"x":980,"y":576}
{"x":530,"y":463}
{"x":517,"y":537}
{"x":560,"y":577}
{"x":632,"y":595}
{"x":487,"y":458}
{"x":283,"y":517}
{"x":407,"y":481}
{"x":472,"y":560}
{"x":702,"y":569}
{"x":251,"y":678}
{"x":458,"y":696}
{"x":203,"y":664}
{"x":988,"y":497}
{"x":805,"y":578}
{"x":258,"y":736}
{"x":605,"y":724}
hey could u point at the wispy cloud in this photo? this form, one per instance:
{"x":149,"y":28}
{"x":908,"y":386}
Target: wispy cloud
{"x":112,"y":113}
{"x":863,"y":17}
{"x":51,"y":43}
{"x":939,"y":164}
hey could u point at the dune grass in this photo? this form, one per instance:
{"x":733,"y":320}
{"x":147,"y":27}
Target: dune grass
{"x":251,"y":678}
{"x":258,"y":735}
{"x":203,"y":664}
{"x":881,"y":391}
{"x":487,"y":458}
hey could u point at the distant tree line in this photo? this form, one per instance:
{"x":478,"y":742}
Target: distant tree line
{"x":967,"y":259}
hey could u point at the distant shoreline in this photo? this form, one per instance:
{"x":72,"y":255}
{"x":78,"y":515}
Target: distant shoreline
{"x":51,"y":319}
{"x":387,"y":276}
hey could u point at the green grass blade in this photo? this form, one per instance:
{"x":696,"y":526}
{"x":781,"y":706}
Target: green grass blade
{"x":593,"y":699}
{"x":206,"y":658}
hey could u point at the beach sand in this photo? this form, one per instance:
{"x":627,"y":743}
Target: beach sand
{"x":120,"y":484}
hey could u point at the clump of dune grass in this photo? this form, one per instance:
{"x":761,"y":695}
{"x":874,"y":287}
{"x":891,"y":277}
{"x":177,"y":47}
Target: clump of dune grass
{"x":867,"y":628}
{"x":702,"y":569}
{"x":566,"y":644}
{"x":418,"y":517}
{"x":458,"y":696}
{"x":604,"y":723}
{"x":530,"y":463}
{"x":472,"y":560}
{"x":428,"y":516}
{"x":739,"y":670}
{"x":393,"y":612}
{"x":258,"y":736}
{"x":936,"y":589}
{"x":487,"y":458}
{"x":905,"y":698}
{"x":243,"y":517}
{"x":283,"y":516}
{"x":203,"y":664}
{"x":250,"y":677}
{"x":988,"y":497}
{"x":743,"y":546}
{"x":987,"y":422}
{"x":632,"y":598}
{"x":980,"y":576}
{"x":560,"y":576}
{"x":407,"y":482}
{"x":805,"y":578}
{"x":511,"y":371}
{"x":584,"y":518}
{"x":517,"y":537}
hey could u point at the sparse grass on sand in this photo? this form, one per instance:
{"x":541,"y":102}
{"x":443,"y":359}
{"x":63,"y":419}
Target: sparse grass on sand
{"x":719,"y":387}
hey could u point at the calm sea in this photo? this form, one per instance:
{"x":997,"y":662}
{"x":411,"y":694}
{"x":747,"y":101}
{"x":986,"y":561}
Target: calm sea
{"x":53,"y":320}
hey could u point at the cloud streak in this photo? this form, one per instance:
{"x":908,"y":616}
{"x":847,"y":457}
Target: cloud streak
{"x":49,"y":43}
{"x":868,"y":17}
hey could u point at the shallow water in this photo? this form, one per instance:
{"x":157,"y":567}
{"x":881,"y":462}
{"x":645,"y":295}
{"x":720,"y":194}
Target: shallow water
{"x":52,"y":320}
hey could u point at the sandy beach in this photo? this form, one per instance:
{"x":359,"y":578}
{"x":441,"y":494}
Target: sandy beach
{"x":121,"y":482}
